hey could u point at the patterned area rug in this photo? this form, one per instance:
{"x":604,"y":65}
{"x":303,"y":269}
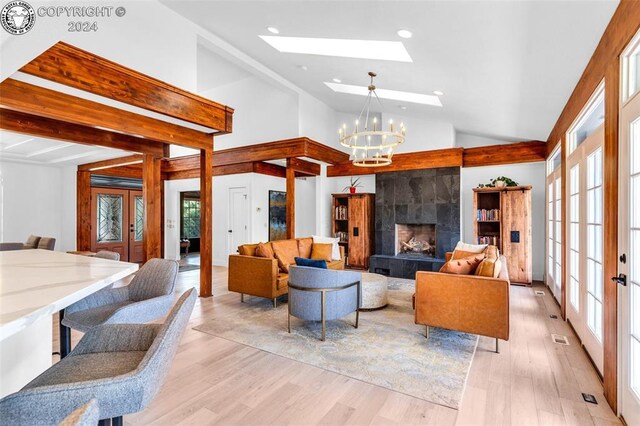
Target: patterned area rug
{"x":387,"y":349}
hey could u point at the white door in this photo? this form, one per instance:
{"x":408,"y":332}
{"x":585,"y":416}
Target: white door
{"x":629,"y":247}
{"x":238,"y":219}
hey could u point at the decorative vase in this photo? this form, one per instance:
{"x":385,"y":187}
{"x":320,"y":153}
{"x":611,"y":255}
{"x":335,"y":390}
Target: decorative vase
{"x":352,"y":189}
{"x":500,"y":184}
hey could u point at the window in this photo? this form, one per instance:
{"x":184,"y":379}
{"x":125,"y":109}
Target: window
{"x":550,"y":227}
{"x":109,"y":218}
{"x":590,"y":119}
{"x":594,"y":243}
{"x":558,"y":234}
{"x":631,"y":69}
{"x":190,"y":220}
{"x":574,"y":238}
{"x":554,"y":160}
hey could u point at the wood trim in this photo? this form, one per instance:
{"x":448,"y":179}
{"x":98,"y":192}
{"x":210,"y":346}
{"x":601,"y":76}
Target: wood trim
{"x":269,"y":169}
{"x":521,"y":152}
{"x":133,"y":172}
{"x":34,"y":125}
{"x":623,"y":26}
{"x":610,"y":232}
{"x":564,"y":173}
{"x":291,"y":201}
{"x":68,"y":65}
{"x":304,"y":168}
{"x":83,"y":211}
{"x":324,"y":153}
{"x":151,"y":194}
{"x":30,"y":99}
{"x":451,"y":157}
{"x":113,"y":162}
{"x":206,"y":222}
{"x":287,"y":148}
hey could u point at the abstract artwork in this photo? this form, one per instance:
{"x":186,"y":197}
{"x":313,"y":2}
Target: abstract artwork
{"x":277,"y":215}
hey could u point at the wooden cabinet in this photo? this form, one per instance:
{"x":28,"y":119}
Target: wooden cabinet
{"x":503,"y":218}
{"x":353,"y":223}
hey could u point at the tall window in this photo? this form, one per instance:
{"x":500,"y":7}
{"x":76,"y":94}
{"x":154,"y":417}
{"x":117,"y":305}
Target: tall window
{"x":554,"y":223}
{"x":574,"y":238}
{"x":594,"y":243}
{"x":551,"y":266}
{"x":190,"y":220}
{"x":558,"y":234}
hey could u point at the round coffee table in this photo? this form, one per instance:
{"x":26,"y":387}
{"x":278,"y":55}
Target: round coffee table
{"x":374,"y":291}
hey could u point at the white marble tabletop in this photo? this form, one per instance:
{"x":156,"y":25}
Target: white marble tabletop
{"x":35,"y":283}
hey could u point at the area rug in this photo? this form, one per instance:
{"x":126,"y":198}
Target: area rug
{"x":188,"y":267}
{"x":387,"y":349}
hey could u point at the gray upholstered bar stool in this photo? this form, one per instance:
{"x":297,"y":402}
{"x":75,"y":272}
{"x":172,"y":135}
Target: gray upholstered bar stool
{"x":106,"y":254}
{"x":85,"y":415}
{"x":122,"y":366}
{"x":148,"y":297}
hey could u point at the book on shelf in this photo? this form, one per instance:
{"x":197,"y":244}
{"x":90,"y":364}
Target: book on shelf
{"x":343,"y":236}
{"x":341,"y":213}
{"x":489,"y":239}
{"x":486,"y":215}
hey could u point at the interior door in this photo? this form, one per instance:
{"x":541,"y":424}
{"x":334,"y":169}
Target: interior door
{"x":238,"y":218}
{"x":629,"y":265}
{"x":110,"y":221}
{"x":136,"y":222}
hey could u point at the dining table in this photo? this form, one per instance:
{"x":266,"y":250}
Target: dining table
{"x":34,"y":285}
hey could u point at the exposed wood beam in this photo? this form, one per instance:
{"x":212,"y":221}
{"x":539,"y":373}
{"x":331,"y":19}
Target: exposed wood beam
{"x":151,"y":194}
{"x":304,"y":168}
{"x":521,"y":152}
{"x":133,"y":172}
{"x":29,"y":124}
{"x":261,"y":152}
{"x":269,"y":169}
{"x":291,"y":201}
{"x":206,"y":218}
{"x":623,"y":26}
{"x":113,"y":162}
{"x":83,"y":211}
{"x":451,"y":157}
{"x":68,"y":65}
{"x":324,"y":153}
{"x":30,"y":99}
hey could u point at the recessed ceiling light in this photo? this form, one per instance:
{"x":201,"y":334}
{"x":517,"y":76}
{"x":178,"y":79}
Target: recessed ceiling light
{"x":396,"y":95}
{"x":438,"y":92}
{"x":405,"y":33}
{"x":402,"y":107}
{"x":303,"y":67}
{"x":273,"y":30}
{"x":344,"y":48}
{"x":337,"y":80}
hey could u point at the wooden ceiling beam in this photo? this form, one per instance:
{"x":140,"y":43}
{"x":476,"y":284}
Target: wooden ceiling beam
{"x":34,"y":125}
{"x":324,"y":153}
{"x":112,"y":162}
{"x":27,"y":98}
{"x":304,"y":168}
{"x":68,"y":65}
{"x":276,"y":150}
{"x":269,"y":169}
{"x":521,"y":152}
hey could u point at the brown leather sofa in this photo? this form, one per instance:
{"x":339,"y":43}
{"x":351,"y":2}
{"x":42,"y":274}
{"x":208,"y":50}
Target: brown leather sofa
{"x":261,"y":276}
{"x":466,"y":303}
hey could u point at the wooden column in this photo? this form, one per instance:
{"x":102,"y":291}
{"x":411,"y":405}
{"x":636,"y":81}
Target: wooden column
{"x":152,"y":199}
{"x":206,"y":219}
{"x":610,"y":232}
{"x":83,"y":211}
{"x":291,"y":200}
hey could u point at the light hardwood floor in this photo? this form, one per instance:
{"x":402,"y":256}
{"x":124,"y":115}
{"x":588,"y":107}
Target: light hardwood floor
{"x":532,"y":381}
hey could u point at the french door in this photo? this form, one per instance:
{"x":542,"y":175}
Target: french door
{"x":629,"y":266}
{"x":117,"y":222}
{"x":554,"y":231}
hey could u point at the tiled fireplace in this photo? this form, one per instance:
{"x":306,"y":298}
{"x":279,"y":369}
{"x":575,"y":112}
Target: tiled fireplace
{"x":416,"y":239}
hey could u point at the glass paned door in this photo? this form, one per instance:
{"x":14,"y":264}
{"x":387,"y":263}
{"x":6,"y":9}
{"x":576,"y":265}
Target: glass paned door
{"x":574,"y":238}
{"x":594,"y":243}
{"x":109,"y":221}
{"x":136,"y":226}
{"x":109,"y":218}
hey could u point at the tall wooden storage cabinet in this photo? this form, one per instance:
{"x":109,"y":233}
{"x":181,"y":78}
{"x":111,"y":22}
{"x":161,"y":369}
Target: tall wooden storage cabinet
{"x":353,"y":223}
{"x":503,"y":218}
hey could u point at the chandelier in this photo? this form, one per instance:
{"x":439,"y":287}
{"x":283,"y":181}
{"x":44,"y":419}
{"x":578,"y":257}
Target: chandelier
{"x":371,"y":145}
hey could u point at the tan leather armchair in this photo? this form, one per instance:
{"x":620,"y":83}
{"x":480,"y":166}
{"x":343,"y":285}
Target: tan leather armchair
{"x":466,"y":303}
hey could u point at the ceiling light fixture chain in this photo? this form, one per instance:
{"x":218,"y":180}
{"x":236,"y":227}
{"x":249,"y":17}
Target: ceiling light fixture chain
{"x":376,"y":148}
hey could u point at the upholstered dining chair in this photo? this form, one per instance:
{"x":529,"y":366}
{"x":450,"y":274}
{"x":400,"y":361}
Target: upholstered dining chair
{"x":11,"y":246}
{"x":323,"y":295}
{"x":106,"y":254}
{"x":122,"y":366}
{"x":148,"y":297}
{"x":84,"y":415}
{"x":46,"y":243}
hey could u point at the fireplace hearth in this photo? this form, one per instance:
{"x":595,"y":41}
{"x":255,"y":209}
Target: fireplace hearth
{"x":416,"y":239}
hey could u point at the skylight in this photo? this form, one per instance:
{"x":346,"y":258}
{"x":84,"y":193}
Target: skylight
{"x":345,"y":48}
{"x":396,"y":95}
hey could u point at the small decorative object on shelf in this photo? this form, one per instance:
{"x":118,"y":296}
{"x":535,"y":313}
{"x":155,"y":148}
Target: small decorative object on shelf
{"x":353,"y":184}
{"x":341,"y":212}
{"x":499,"y":182}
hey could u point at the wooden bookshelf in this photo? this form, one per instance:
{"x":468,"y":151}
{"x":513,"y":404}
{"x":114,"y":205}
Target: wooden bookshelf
{"x":503,"y":219}
{"x":352,"y":222}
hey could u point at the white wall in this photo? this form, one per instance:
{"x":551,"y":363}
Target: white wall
{"x":305,"y":217}
{"x":467,"y":140}
{"x":35,"y":199}
{"x":525,"y":174}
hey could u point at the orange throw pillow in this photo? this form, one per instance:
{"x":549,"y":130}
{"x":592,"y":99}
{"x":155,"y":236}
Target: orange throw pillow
{"x":461,"y":254}
{"x":265,"y":250}
{"x":464,"y":266}
{"x":247,"y":249}
{"x":491,"y":264}
{"x":304,"y":247}
{"x":321,"y":252}
{"x":286,"y":252}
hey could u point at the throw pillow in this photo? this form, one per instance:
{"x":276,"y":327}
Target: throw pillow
{"x":301,"y":261}
{"x":464,"y":266}
{"x":465,"y":250}
{"x":304,"y":247}
{"x":335,"y":252}
{"x":286,"y":252}
{"x":321,"y":252}
{"x":265,"y":250}
{"x":491,"y":264}
{"x":248,"y":249}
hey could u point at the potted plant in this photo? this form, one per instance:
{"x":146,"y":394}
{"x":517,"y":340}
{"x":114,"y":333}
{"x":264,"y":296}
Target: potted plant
{"x":499,"y":182}
{"x":353,"y":184}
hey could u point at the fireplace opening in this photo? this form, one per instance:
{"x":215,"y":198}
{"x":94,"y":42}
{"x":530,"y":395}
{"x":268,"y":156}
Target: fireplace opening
{"x":416,"y":239}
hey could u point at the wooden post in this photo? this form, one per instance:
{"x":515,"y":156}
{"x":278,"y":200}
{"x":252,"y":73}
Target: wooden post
{"x":206,"y":218}
{"x":610,"y":232}
{"x":152,"y":199}
{"x":291,"y":200}
{"x":83,"y":212}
